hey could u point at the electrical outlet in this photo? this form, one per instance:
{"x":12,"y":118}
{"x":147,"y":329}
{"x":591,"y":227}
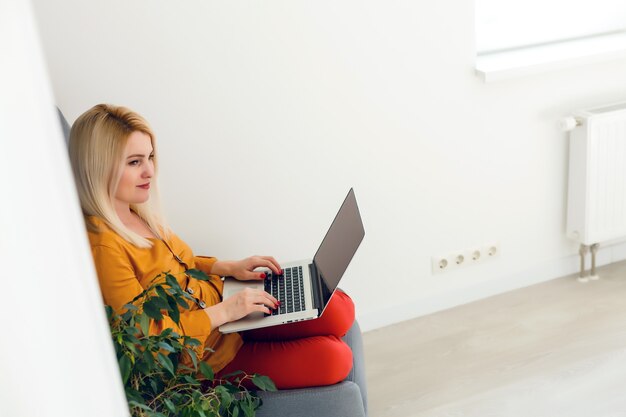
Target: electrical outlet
{"x":465,"y":257}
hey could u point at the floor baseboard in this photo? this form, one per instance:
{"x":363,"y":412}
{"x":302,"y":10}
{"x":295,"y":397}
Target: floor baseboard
{"x":544,"y":272}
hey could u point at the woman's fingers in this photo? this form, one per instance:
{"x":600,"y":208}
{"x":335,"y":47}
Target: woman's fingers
{"x":249,"y":301}
{"x":265,"y":262}
{"x":252,"y":308}
{"x":259,"y":262}
{"x":258,"y":297}
{"x":272,"y":264}
{"x":273,"y":299}
{"x":247,"y":268}
{"x":267,"y":299}
{"x":253,"y":275}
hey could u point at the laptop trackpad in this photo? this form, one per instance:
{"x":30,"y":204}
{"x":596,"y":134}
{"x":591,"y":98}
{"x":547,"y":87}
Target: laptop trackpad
{"x":233,"y":286}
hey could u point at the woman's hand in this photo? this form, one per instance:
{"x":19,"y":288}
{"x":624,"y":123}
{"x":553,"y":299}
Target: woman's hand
{"x":244,"y":270}
{"x":239,"y":305}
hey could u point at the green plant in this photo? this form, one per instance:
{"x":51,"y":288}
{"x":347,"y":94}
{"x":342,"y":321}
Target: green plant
{"x":156,"y":381}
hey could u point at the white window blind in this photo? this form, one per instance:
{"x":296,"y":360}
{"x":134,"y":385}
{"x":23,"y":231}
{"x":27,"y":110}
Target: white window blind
{"x":507,"y":24}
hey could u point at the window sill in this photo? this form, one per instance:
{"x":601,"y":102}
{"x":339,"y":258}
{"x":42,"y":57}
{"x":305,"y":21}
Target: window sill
{"x":544,"y":58}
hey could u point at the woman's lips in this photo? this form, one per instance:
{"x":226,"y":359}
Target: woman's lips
{"x":145,"y":186}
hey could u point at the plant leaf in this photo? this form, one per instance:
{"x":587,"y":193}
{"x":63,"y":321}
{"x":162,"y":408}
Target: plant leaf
{"x":166,"y":362}
{"x":109,"y":312}
{"x":197,"y":274}
{"x":173,"y":310}
{"x":170,"y":405}
{"x":161,"y":291}
{"x":148,"y":359}
{"x":131,"y":347}
{"x":194,"y":359}
{"x":207,"y":371}
{"x":154,"y":386}
{"x":132,"y":330}
{"x":144,"y":323}
{"x":224,"y":395}
{"x":192,"y":342}
{"x":248,"y":408}
{"x":166,"y":346}
{"x":190,"y":380}
{"x":159,"y":302}
{"x":172,"y":282}
{"x":125,"y":367}
{"x":133,"y":395}
{"x":231,"y":374}
{"x":134,"y":403}
{"x":263,"y":382}
{"x":130,"y":307}
{"x":127,"y":316}
{"x":152,"y":310}
{"x":181,"y":302}
{"x":167,"y":332}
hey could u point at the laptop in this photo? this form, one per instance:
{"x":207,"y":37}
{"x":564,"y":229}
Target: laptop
{"x":305,"y":287}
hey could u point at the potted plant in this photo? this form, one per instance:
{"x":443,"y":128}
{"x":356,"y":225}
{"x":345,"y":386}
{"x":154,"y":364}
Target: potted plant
{"x":156,"y":382}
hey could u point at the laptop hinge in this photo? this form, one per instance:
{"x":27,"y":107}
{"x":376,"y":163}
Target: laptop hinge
{"x":316,"y":287}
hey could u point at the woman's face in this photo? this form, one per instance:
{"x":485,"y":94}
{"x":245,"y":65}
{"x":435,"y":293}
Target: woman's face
{"x":138,"y":170}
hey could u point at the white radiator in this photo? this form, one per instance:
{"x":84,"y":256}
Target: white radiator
{"x":596,"y":203}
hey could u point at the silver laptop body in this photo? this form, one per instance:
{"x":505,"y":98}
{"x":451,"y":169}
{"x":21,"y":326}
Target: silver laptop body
{"x":318,"y":280}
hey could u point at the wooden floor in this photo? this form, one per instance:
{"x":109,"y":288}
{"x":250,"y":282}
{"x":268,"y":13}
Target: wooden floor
{"x":553,"y":349}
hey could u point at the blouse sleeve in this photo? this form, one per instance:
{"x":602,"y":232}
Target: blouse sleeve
{"x":119,"y":285}
{"x":204,"y":263}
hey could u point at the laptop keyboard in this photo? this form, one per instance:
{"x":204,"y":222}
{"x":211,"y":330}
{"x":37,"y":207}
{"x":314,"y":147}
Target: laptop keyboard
{"x":288,"y":289}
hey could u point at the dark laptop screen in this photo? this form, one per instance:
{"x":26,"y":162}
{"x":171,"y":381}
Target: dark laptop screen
{"x":339,"y":245}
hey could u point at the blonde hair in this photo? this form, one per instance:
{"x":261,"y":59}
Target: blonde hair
{"x":97,"y":142}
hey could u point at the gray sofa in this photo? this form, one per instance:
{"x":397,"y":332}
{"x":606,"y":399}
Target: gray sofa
{"x":346,"y":399}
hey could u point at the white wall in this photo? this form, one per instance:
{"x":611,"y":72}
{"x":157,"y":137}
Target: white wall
{"x":56,"y":355}
{"x":379,"y":95}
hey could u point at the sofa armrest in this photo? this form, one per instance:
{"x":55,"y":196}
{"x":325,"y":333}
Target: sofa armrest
{"x":346,"y":399}
{"x":354,"y":339}
{"x":339,"y":400}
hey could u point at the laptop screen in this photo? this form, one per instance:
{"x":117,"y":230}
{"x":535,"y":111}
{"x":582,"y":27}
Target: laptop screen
{"x":339,"y":246}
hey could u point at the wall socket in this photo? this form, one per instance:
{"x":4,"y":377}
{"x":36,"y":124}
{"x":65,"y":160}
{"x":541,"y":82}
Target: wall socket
{"x":466,"y":257}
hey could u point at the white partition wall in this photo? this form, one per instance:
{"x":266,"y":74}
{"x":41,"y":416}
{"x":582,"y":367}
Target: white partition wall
{"x":376,"y":95}
{"x":56,"y":358}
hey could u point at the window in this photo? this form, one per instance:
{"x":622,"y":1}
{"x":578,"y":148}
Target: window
{"x":506,"y":24}
{"x":539,"y":34}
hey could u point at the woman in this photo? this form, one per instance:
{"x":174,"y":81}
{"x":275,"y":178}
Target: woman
{"x":113,"y":155}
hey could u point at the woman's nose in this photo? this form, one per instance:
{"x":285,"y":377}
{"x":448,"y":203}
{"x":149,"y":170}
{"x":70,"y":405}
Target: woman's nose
{"x":149,"y":171}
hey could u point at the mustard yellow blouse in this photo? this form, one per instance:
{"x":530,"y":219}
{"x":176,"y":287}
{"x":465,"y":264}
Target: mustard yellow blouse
{"x":125,"y":270}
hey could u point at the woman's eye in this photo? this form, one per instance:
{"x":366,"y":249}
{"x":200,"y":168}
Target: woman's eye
{"x":134,"y":162}
{"x":151,"y":157}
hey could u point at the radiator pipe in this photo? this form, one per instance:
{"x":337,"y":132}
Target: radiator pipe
{"x":594,"y":250}
{"x":583,"y":252}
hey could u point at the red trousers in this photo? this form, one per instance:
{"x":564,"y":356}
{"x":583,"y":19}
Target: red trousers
{"x":303,"y":354}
